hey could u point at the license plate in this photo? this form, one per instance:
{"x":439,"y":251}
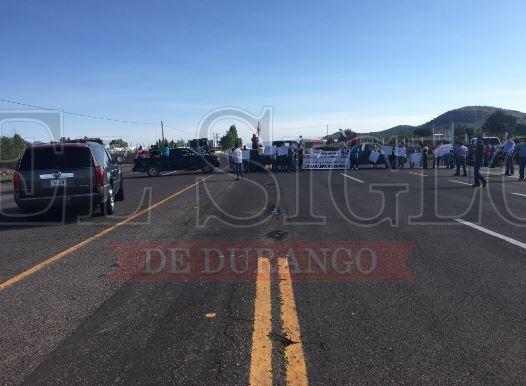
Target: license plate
{"x":58,"y":182}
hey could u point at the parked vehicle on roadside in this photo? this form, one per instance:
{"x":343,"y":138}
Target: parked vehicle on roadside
{"x":287,"y":143}
{"x":181,"y":158}
{"x":491,"y":140}
{"x":201,"y":145}
{"x":77,"y":174}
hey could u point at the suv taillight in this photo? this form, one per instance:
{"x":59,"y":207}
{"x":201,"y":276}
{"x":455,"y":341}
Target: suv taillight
{"x":16,"y":181}
{"x":99,"y":171}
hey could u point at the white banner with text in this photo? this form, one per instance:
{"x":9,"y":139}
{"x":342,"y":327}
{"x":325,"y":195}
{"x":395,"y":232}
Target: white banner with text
{"x":338,"y":159}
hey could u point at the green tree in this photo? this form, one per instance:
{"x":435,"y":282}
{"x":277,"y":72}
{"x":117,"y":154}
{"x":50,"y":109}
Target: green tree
{"x":161,"y":143}
{"x":521,"y":129}
{"x":423,"y":132}
{"x":499,"y":122}
{"x":10,"y":150}
{"x":119,"y":142}
{"x":180,"y":143}
{"x":230,"y":139}
{"x":349,"y":134}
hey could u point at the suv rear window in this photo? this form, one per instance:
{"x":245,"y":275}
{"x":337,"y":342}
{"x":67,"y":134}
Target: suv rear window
{"x":57,"y":157}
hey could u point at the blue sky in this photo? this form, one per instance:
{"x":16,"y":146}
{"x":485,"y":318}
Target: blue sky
{"x":350,"y":64}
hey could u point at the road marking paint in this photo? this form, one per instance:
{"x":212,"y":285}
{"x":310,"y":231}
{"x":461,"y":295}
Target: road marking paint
{"x":494,"y":173}
{"x":296,"y":370}
{"x":261,"y":356}
{"x":490,"y":232}
{"x":512,"y":176}
{"x":352,"y":178}
{"x":519,"y":194}
{"x":459,"y":182}
{"x":418,"y":174}
{"x":87,"y":241}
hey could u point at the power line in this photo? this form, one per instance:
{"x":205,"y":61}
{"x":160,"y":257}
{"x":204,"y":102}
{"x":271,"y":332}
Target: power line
{"x":77,"y":114}
{"x":90,"y":116}
{"x":123,"y":120}
{"x":182,"y":131}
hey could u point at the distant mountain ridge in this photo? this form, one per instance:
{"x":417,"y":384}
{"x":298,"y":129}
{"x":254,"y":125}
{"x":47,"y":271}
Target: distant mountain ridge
{"x":470,"y":116}
{"x":467,"y":117}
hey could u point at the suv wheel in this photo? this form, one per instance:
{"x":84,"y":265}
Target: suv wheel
{"x":207,"y":168}
{"x":120,"y":194}
{"x":107,"y":208}
{"x":153,"y":171}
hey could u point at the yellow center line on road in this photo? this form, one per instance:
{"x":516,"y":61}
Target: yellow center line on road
{"x":295,"y":359}
{"x":261,"y":356}
{"x":57,"y":257}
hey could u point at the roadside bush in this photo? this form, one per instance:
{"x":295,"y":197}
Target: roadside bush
{"x":11,"y":149}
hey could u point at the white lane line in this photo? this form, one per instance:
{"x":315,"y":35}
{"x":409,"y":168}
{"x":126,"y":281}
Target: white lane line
{"x":495,"y":234}
{"x":352,"y":178}
{"x":168,"y":173}
{"x":494,"y":173}
{"x":418,"y":174}
{"x":459,"y":182}
{"x":519,"y":194}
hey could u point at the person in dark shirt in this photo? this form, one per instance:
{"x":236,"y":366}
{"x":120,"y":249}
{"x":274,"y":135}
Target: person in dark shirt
{"x":255,"y":142}
{"x":479,"y":160}
{"x":301,"y":153}
{"x":291,"y":159}
{"x":521,"y":150}
{"x":425,"y":151}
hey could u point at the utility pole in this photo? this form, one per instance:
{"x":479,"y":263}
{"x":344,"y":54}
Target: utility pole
{"x":327,"y":131}
{"x":162,"y":131}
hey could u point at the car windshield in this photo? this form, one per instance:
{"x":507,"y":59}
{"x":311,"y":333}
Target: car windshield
{"x":56,"y":157}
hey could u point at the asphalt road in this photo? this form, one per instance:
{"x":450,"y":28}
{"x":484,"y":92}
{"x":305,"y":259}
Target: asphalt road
{"x":444,"y":303}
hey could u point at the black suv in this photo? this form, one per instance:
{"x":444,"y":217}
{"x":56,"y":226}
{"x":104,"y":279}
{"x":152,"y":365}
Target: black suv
{"x":76,"y":174}
{"x":181,"y":158}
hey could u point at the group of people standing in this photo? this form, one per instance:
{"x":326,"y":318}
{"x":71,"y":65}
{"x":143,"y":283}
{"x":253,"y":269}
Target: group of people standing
{"x":292,"y":161}
{"x":486,"y":154}
{"x":481,"y":154}
{"x":456,"y":156}
{"x":154,"y":152}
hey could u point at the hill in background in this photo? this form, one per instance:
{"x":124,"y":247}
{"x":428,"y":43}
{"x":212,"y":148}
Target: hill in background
{"x":469,"y":117}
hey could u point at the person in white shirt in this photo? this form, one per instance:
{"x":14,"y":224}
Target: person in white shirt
{"x":509,"y":148}
{"x":237,"y":154}
{"x":461,"y":153}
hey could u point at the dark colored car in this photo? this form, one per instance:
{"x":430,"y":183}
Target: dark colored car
{"x":78,"y":174}
{"x":287,"y":143}
{"x":180,"y":158}
{"x":365,"y":151}
{"x":201,"y":146}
